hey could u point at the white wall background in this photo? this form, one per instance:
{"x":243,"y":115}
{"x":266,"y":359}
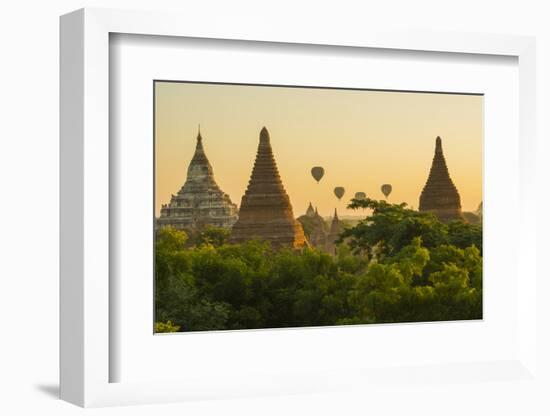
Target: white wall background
{"x":29,"y":197}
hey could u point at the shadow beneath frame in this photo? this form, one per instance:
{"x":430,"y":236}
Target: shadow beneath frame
{"x":51,"y":390}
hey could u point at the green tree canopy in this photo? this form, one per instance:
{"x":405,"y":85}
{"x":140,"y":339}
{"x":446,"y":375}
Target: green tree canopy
{"x":396,"y":265}
{"x":390,"y":227}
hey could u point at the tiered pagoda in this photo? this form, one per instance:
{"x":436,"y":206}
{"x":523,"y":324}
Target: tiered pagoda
{"x":440,"y":195}
{"x":200,"y":201}
{"x":265,"y":212}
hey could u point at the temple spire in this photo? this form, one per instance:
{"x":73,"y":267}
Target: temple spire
{"x":440,"y":195}
{"x":336,"y":227}
{"x":199,"y":137}
{"x":264,"y":136}
{"x":200,"y":167}
{"x":438,"y":145}
{"x":266,"y":212}
{"x":310,"y":212}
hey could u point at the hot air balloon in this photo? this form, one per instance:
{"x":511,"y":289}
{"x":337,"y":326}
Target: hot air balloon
{"x":339,"y":192}
{"x":317,"y":172}
{"x":386,"y":189}
{"x":360,"y":195}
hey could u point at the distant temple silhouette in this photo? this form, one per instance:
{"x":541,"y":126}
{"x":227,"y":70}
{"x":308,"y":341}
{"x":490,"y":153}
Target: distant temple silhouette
{"x":336,"y":227}
{"x":310,"y":212}
{"x":440,"y":195}
{"x":315,"y":227}
{"x":265,"y":212}
{"x":317,"y":231}
{"x":200,"y":201}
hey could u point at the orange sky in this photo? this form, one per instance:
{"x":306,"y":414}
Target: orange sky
{"x":362,"y":139}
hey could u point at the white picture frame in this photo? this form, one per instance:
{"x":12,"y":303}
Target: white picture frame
{"x":85,"y":354}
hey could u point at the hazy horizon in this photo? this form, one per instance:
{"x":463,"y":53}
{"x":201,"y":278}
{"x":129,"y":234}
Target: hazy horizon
{"x":362,"y":138}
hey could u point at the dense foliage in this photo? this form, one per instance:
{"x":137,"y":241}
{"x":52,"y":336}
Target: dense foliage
{"x":391,"y":227}
{"x":166,"y":327}
{"x":397,"y":265}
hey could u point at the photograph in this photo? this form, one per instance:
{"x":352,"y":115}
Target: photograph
{"x":282,"y":206}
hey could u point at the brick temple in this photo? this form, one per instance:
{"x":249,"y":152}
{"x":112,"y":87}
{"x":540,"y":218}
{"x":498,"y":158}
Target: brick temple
{"x":265,"y":212}
{"x":200,"y":201}
{"x":440,"y":195}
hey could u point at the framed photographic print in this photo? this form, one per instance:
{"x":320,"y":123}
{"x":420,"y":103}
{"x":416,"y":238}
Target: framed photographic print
{"x":272,"y":214}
